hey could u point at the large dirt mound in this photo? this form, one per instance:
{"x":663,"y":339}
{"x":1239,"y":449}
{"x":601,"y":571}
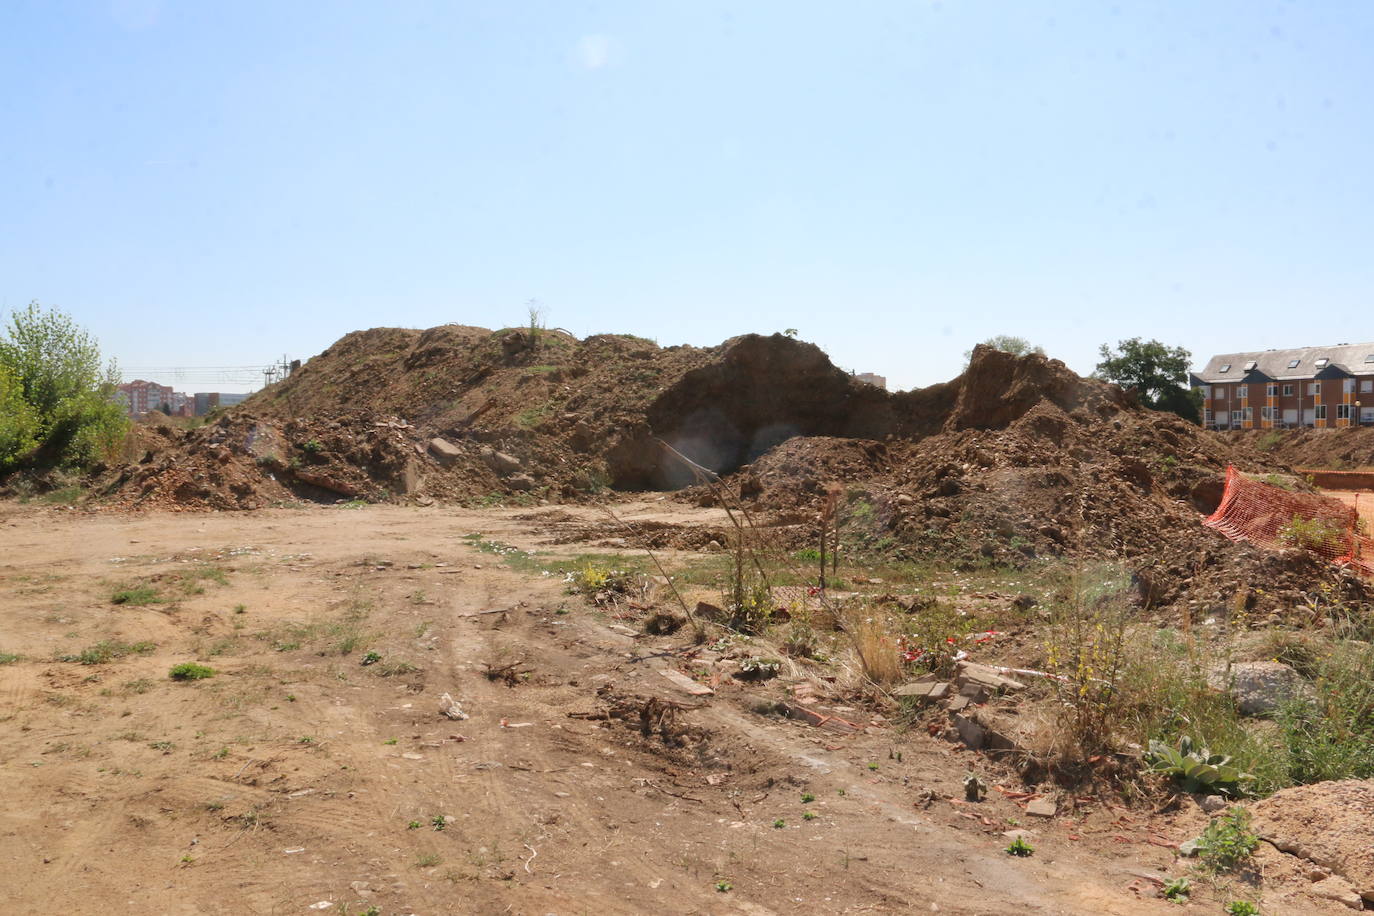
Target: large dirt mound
{"x":1016,"y":459}
{"x":1331,"y":449}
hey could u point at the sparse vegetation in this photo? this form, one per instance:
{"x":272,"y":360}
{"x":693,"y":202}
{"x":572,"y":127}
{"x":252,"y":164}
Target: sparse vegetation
{"x":190,"y":671}
{"x":1312,"y":534}
{"x":136,"y":596}
{"x":107,"y":650}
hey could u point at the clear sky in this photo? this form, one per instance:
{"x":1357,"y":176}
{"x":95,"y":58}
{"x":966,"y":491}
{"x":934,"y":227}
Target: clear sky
{"x":219,"y":184}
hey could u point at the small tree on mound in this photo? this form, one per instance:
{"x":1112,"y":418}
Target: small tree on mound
{"x":56,"y":398}
{"x":1007,"y":343}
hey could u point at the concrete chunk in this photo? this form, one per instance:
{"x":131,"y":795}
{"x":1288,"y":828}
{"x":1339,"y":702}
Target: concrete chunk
{"x":445,"y":451}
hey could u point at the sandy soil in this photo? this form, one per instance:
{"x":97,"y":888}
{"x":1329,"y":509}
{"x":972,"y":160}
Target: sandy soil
{"x":298,"y":779}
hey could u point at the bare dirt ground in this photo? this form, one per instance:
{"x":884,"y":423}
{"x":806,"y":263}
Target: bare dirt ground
{"x":298,"y":779}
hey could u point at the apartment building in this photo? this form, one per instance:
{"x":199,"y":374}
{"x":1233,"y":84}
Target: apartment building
{"x":1318,"y":387}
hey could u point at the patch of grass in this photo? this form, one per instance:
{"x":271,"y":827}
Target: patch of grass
{"x":62,"y":496}
{"x":342,"y":635}
{"x":9,"y":658}
{"x":107,"y":650}
{"x":427,"y":860}
{"x":1330,"y":735}
{"x":137,"y":596}
{"x":192,"y":582}
{"x":531,"y":417}
{"x":395,"y":668}
{"x":190,"y":671}
{"x":139,"y":685}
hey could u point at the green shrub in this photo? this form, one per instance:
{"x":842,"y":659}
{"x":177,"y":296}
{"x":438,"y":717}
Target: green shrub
{"x":56,"y":399}
{"x":1311,"y":534}
{"x":190,"y":671}
{"x":1227,"y":842}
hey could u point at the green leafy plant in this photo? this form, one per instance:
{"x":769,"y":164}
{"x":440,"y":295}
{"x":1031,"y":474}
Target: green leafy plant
{"x":724,"y":886}
{"x":1020,"y":847}
{"x":371,"y":658}
{"x":414,"y":825}
{"x":1311,"y":534}
{"x":1176,"y":890}
{"x":190,"y":671}
{"x":1227,"y":842}
{"x":438,"y":822}
{"x":1196,"y":768}
{"x":755,"y":668}
{"x":809,"y":815}
{"x":807,"y":798}
{"x":1242,"y":908}
{"x":779,"y":824}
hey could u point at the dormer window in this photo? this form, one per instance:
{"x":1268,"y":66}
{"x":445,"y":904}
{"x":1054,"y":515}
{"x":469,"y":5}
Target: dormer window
{"x":1321,"y":363}
{"x":1369,"y":358}
{"x":1225,"y":368}
{"x":1250,"y":365}
{"x":1293,"y":363}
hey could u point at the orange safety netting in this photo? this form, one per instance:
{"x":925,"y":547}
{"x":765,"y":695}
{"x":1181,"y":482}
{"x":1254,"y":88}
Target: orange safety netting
{"x":1273,"y":517}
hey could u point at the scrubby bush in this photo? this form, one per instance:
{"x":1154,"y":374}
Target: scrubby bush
{"x":56,"y":398}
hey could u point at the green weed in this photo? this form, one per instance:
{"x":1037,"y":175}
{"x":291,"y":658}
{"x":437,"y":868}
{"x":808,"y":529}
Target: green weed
{"x":190,"y":671}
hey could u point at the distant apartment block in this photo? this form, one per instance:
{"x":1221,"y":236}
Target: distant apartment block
{"x":871,"y":378}
{"x":141,"y":398}
{"x":1318,"y":387}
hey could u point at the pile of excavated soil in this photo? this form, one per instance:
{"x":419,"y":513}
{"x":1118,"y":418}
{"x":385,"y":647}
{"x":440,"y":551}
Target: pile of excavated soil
{"x":1016,"y":459}
{"x":1327,"y":824}
{"x":1078,"y":472}
{"x":1331,"y":449}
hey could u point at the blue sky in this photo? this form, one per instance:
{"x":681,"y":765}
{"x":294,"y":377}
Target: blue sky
{"x":213,"y":184}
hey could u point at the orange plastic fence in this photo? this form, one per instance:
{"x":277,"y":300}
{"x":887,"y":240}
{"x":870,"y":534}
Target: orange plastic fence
{"x":1271,"y":516}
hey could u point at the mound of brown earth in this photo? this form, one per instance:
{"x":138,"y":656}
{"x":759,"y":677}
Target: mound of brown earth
{"x":1017,"y":459}
{"x":1330,"y":449}
{"x":1327,"y":824}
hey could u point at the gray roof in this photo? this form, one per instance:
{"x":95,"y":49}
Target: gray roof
{"x":1345,"y":359}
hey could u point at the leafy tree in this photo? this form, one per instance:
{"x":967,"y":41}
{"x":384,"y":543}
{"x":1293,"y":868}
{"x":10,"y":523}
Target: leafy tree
{"x":1158,"y":373}
{"x":1016,"y":346}
{"x":55,"y":396}
{"x":18,"y":421}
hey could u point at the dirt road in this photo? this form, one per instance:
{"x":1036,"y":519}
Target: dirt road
{"x":298,"y":779}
